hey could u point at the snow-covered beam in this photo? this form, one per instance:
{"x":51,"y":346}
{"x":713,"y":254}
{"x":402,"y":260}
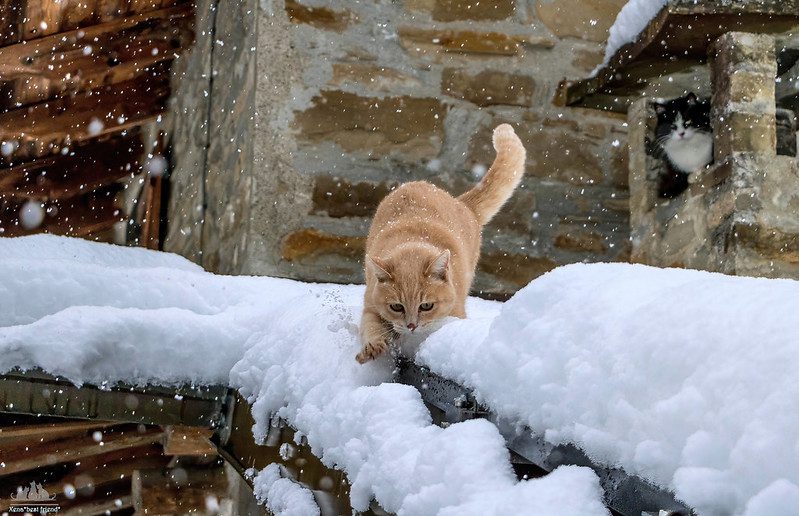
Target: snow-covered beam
{"x":38,"y":393}
{"x":626,"y":494}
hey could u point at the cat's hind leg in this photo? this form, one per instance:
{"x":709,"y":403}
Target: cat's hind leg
{"x":375,"y":337}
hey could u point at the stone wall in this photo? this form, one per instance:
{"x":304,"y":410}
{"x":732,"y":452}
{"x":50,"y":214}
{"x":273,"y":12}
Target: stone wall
{"x":352,"y":99}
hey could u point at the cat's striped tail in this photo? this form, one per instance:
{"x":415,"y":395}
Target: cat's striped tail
{"x":502,"y":178}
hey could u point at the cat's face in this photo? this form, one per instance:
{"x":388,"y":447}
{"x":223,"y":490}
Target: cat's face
{"x":413,"y":288}
{"x":681,"y":120}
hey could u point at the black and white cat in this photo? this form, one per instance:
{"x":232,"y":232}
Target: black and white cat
{"x":685,"y":137}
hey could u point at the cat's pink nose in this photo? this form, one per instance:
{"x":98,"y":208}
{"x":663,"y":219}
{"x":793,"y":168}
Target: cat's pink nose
{"x":682,"y":134}
{"x":411,"y":326}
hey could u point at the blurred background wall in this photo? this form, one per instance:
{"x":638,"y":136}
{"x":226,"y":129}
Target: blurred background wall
{"x":311,"y":111}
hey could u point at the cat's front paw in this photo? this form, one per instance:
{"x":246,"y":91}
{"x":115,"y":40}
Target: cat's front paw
{"x":371,"y":350}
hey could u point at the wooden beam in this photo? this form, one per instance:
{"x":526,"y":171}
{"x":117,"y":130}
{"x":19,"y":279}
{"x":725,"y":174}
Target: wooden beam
{"x":33,"y":434}
{"x":95,"y":472}
{"x":83,"y":59}
{"x":189,"y":441}
{"x":104,"y":505}
{"x":83,"y":169}
{"x":65,"y":15}
{"x":161,"y":491}
{"x":95,"y":503}
{"x":76,"y":216}
{"x":677,"y":38}
{"x":150,"y":215}
{"x":72,"y":449}
{"x":48,"y":127}
{"x":12,"y":12}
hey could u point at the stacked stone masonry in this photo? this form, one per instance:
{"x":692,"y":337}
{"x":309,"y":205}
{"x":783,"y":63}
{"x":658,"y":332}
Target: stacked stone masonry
{"x":352,"y":99}
{"x":742,"y":216}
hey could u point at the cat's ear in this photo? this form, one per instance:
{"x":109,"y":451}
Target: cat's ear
{"x":439,"y":268}
{"x":378,"y":268}
{"x":691,"y":98}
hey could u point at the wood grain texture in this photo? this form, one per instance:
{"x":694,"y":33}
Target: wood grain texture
{"x":81,"y":216}
{"x":46,"y":128}
{"x":82,"y":169}
{"x":108,"y":53}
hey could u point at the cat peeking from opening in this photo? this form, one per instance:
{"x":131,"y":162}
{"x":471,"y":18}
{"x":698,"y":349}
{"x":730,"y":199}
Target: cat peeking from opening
{"x":423,"y":247}
{"x":684,"y":135}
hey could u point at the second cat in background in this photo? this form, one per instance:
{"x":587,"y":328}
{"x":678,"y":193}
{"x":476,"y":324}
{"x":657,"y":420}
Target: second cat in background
{"x":684,"y":137}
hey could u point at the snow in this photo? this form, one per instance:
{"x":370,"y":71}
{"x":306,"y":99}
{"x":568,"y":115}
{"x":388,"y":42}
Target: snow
{"x":686,"y":378}
{"x":98,"y":313}
{"x":630,"y":22}
{"x":31,"y":215}
{"x":282,"y":496}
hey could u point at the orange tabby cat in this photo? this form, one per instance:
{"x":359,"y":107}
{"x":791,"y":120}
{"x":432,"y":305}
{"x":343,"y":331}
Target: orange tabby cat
{"x":423,"y":247}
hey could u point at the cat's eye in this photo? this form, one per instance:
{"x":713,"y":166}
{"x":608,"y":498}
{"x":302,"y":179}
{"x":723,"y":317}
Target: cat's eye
{"x":673,"y":126}
{"x":425,"y":307}
{"x":397,"y":307}
{"x":687,"y":124}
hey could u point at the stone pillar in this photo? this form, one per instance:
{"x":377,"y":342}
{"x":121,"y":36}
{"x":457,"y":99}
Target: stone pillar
{"x":212,"y":126}
{"x":641,"y":121}
{"x":741,"y":217}
{"x":743,"y":68}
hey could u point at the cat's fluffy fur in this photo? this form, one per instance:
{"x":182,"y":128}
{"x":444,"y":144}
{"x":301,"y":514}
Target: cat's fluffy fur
{"x":423,"y":247}
{"x":685,"y":136}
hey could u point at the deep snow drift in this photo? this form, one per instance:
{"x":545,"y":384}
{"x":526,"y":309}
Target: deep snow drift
{"x":95,"y":313}
{"x":684,"y":377}
{"x":687,"y":378}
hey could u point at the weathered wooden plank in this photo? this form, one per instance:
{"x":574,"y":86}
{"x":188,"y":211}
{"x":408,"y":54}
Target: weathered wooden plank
{"x":18,"y":459}
{"x":95,"y":502}
{"x":62,"y":15}
{"x":83,"y":59}
{"x":12,"y":12}
{"x":83,"y":169}
{"x":243,"y":452}
{"x":47,"y":127}
{"x":189,"y":440}
{"x":99,"y":470}
{"x":76,"y":216}
{"x":157,"y":491}
{"x":104,"y":505}
{"x":42,"y":433}
{"x":38,"y":393}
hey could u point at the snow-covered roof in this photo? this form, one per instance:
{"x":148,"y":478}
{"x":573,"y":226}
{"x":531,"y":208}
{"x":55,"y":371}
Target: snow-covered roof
{"x":686,"y":378}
